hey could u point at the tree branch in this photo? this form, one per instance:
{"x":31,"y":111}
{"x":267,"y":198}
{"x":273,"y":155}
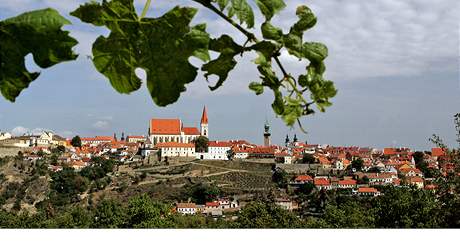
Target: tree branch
{"x":146,"y":8}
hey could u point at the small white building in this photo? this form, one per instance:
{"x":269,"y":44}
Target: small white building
{"x":186,"y":208}
{"x":4,"y":136}
{"x":136,"y":139}
{"x":176,"y":149}
{"x":217,"y":150}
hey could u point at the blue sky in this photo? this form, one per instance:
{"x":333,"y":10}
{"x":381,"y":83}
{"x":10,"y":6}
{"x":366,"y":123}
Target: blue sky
{"x":394,"y":62}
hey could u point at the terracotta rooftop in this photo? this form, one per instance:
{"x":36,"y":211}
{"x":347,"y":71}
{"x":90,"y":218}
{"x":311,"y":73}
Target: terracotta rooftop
{"x":165,"y":126}
{"x":367,"y":190}
{"x":191,"y":131}
{"x":186,"y":205}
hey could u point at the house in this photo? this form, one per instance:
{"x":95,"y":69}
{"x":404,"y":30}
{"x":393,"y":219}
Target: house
{"x":416,"y":181}
{"x":136,"y":139}
{"x":176,"y":149}
{"x":322,"y":183}
{"x":4,"y":136}
{"x":283,"y":157}
{"x":173,"y":130}
{"x":411,"y":172}
{"x":217,"y":150}
{"x":302,"y":179}
{"x":380,"y":178}
{"x":209,"y":207}
{"x":225,"y":203}
{"x":437,"y":152}
{"x":347,"y":183}
{"x":240,"y":153}
{"x":286,"y":204}
{"x":94,"y":141}
{"x":186,"y":208}
{"x":368,"y":191}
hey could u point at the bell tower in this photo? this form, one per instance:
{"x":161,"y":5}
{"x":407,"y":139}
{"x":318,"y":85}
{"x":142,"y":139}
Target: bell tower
{"x":267,"y":134}
{"x":204,"y":131}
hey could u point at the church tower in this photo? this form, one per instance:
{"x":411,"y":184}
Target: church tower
{"x":267,"y":134}
{"x":204,"y":123}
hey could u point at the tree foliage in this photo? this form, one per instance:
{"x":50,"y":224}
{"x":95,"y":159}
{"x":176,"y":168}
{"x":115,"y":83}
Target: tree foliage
{"x":39,"y":33}
{"x":162,"y":46}
{"x":76,"y":141}
{"x":201,"y":144}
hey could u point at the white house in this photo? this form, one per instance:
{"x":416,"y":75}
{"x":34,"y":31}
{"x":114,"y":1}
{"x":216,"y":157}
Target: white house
{"x":217,"y":150}
{"x":186,"y":208}
{"x":4,"y":136}
{"x":136,"y":139}
{"x":176,"y":149}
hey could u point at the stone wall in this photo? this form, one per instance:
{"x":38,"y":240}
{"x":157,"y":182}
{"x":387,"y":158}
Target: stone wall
{"x":9,"y":151}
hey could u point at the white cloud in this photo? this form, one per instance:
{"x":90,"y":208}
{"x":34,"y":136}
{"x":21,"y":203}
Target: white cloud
{"x":101,"y":125}
{"x":66,"y":133}
{"x":19,"y":131}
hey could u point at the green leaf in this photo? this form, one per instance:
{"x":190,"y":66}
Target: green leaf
{"x":271,"y":32}
{"x":270,"y":7}
{"x":258,"y":88}
{"x":243,"y":12}
{"x":278,"y":103}
{"x":225,"y":62}
{"x":222,"y":4}
{"x":39,"y":33}
{"x":315,"y":52}
{"x":161,"y":46}
{"x":267,"y":48}
{"x":293,"y":43}
{"x":306,"y":20}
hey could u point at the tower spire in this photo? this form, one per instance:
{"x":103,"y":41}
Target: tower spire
{"x":204,"y":123}
{"x":204,"y":116}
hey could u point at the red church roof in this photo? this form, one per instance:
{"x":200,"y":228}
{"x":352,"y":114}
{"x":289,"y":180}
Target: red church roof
{"x":191,"y":131}
{"x":204,"y":117}
{"x":165,"y":126}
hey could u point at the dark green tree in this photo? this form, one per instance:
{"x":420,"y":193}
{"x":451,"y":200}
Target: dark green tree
{"x":110,"y":213}
{"x":76,"y":141}
{"x":308,"y":158}
{"x":266,"y":215}
{"x":357,"y":164}
{"x":201,"y":144}
{"x":280,"y":177}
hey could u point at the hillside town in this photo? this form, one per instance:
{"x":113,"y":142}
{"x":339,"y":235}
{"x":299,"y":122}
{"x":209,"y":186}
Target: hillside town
{"x":360,"y":171}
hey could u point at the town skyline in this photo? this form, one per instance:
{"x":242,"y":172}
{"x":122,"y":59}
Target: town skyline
{"x":379,"y":102}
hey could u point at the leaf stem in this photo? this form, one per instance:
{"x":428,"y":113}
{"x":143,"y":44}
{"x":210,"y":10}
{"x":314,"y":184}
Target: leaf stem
{"x":249,"y":35}
{"x":146,"y":8}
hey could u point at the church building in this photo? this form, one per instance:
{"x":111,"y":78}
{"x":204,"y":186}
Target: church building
{"x":173,"y":130}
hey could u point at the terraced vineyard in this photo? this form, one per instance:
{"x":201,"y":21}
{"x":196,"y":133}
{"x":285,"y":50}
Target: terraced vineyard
{"x":243,"y":180}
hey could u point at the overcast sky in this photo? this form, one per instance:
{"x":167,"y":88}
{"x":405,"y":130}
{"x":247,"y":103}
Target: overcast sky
{"x":394,"y":62}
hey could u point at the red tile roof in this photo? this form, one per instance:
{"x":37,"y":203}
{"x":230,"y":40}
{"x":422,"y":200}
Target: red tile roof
{"x":191,"y":131}
{"x":389,"y":151}
{"x":165,"y":126}
{"x":322,"y":182}
{"x":175,"y":144}
{"x":303,"y":178}
{"x":219,"y":144}
{"x":415,"y":179}
{"x":204,"y":117}
{"x":212,"y":204}
{"x":367,"y":190}
{"x":437,"y":152}
{"x":347,"y":182}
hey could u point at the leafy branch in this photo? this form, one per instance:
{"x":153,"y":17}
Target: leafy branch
{"x":162,"y":46}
